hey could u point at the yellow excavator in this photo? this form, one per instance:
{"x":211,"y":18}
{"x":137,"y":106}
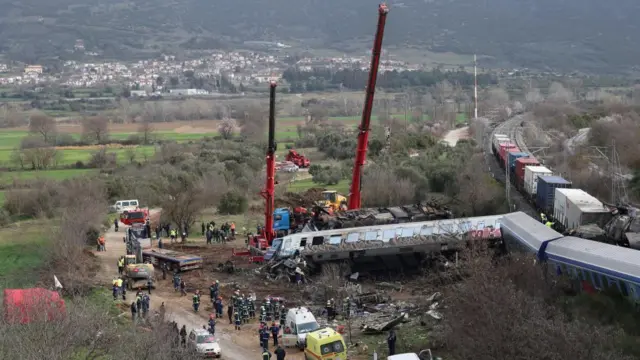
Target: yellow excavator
{"x":332,"y":200}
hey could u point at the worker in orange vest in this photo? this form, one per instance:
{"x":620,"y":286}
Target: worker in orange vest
{"x":233,"y":229}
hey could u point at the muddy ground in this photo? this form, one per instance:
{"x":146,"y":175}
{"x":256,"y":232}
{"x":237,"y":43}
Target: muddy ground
{"x":249,"y":279}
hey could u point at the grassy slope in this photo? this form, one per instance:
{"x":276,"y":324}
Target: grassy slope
{"x":23,"y":249}
{"x":9,"y":176}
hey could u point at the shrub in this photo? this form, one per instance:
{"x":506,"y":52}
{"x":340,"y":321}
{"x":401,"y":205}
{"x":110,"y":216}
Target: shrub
{"x":233,"y":203}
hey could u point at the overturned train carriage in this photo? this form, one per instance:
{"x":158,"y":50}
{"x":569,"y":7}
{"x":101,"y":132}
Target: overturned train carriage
{"x":379,"y":216}
{"x":386,"y":247}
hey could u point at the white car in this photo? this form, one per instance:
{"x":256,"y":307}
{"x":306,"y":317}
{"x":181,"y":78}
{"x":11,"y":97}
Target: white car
{"x":205,"y":343}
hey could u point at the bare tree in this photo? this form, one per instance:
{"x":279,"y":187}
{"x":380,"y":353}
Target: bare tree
{"x":131,"y":154}
{"x":43,"y":125}
{"x":558,"y":93}
{"x":96,"y":128}
{"x":533,"y":96}
{"x":380,"y":187}
{"x":11,"y":116}
{"x":501,"y":304}
{"x":226,"y":128}
{"x":146,"y":132}
{"x":477,"y":193}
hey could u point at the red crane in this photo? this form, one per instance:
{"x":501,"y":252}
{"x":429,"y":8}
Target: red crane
{"x":355,"y":196}
{"x":268,"y":192}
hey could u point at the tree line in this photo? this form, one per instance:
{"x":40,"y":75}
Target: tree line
{"x":356,"y":79}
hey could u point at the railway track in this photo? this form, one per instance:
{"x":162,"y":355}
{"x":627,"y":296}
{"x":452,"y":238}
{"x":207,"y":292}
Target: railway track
{"x":513,"y":129}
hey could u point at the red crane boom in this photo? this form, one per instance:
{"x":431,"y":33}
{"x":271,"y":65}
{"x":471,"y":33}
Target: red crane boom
{"x":268,"y":192}
{"x":355,"y":196}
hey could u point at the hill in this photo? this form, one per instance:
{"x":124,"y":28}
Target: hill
{"x":571,"y":34}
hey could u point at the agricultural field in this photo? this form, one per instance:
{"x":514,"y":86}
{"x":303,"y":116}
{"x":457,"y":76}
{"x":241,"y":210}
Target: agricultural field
{"x":23,"y":247}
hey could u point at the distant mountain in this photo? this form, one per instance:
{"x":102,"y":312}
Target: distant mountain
{"x":559,"y":34}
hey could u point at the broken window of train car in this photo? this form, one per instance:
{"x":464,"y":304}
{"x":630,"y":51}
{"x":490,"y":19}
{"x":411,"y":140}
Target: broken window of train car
{"x":387,"y":235}
{"x":623,"y":288}
{"x":335,"y":239}
{"x":596,"y":280}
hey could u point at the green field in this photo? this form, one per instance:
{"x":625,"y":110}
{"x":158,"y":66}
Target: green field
{"x":298,"y":186}
{"x":22,"y":249}
{"x":71,"y":156}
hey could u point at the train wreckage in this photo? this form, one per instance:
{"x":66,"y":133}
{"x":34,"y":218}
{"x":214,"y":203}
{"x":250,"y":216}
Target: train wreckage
{"x":379,"y":247}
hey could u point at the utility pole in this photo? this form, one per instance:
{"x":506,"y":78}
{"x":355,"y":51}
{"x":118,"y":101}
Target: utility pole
{"x":475,"y":86}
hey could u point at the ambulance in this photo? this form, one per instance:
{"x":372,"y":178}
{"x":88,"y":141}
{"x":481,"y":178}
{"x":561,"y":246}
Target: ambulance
{"x":325,"y":344}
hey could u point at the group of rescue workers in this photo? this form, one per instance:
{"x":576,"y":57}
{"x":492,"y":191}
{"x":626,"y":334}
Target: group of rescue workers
{"x":226,"y":232}
{"x":546,"y":221}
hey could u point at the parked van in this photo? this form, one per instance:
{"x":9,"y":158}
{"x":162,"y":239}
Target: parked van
{"x":325,"y":344}
{"x":299,"y":322}
{"x":125,"y":205}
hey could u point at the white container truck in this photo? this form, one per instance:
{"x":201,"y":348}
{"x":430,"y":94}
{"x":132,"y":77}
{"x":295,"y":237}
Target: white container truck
{"x":531,"y":174}
{"x":574,"y":207}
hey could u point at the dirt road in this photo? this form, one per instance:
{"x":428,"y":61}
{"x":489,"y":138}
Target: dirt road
{"x":178,"y":308}
{"x":453,"y":136}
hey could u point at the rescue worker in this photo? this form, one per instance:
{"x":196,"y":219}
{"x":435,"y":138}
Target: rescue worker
{"x":115,"y":291}
{"x":164,"y":271}
{"x":139,"y":302}
{"x":280,"y":353}
{"x":172,"y":235}
{"x":212,"y":325}
{"x":549,"y":224}
{"x":196,"y":301}
{"x":230,"y":313}
{"x":202,"y":226}
{"x":145,"y":305}
{"x":183,"y":335}
{"x":218,"y":306}
{"x":233,"y":229}
{"x":176,"y":281}
{"x":134,"y":311}
{"x":264,"y":337}
{"x":149,"y":284}
{"x":236,"y":318}
{"x":160,"y":245}
{"x":391,"y":342}
{"x":275,"y":330}
{"x":101,"y":243}
{"x":115,"y":224}
{"x":252,"y":309}
{"x":121,"y":265}
{"x":330,"y":311}
{"x":263,"y":314}
{"x":269,"y":312}
{"x":266,"y":355}
{"x":213,"y":290}
{"x":119,"y":282}
{"x":543,"y":217}
{"x":124,"y":289}
{"x":283,"y":315}
{"x":244,"y":310}
{"x":183,"y":288}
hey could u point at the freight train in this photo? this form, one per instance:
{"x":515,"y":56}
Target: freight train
{"x":553,"y":196}
{"x":590,"y":265}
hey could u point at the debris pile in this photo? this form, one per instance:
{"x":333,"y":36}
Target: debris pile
{"x":305,"y":199}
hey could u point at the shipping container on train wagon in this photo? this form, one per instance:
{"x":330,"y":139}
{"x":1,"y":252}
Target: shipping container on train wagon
{"x":497,"y":140}
{"x":521,"y":163}
{"x":531,"y":174}
{"x":547,"y":190}
{"x":512,"y":156}
{"x":503,"y":150}
{"x":575,"y":207}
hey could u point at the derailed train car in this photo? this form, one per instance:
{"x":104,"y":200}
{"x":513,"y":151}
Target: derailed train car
{"x":590,"y":265}
{"x":426,"y":211}
{"x":383,"y":247}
